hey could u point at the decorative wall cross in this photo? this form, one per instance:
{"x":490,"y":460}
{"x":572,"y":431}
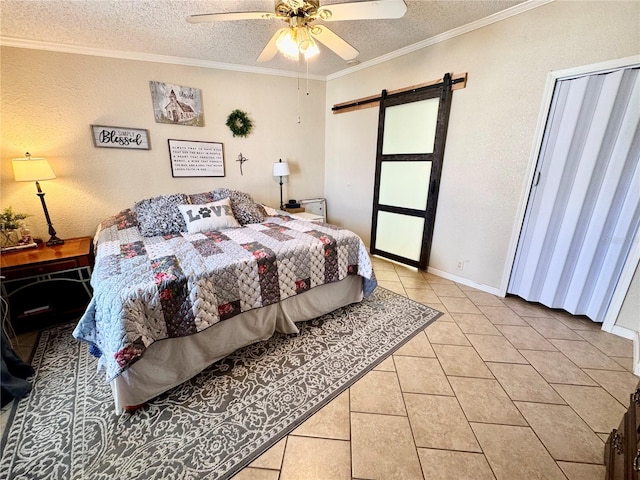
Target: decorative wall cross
{"x":241,"y":159}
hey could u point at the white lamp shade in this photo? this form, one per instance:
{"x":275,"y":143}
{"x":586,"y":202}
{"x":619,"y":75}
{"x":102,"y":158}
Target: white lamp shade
{"x":31,"y":169}
{"x":280,"y":169}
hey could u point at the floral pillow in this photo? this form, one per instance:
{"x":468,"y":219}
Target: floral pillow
{"x":161,"y":215}
{"x":209,"y":216}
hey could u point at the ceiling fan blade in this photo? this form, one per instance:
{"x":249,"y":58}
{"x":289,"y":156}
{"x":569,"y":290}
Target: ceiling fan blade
{"x":334,"y":42}
{"x":363,"y":10}
{"x":225,"y":17}
{"x":270,"y":49}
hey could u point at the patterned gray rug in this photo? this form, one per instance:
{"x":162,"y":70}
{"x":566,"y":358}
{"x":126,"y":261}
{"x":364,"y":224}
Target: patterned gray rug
{"x":213,"y":425}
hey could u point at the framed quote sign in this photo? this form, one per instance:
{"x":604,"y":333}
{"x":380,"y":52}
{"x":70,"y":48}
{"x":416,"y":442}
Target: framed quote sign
{"x":120,"y":137}
{"x":191,"y":158}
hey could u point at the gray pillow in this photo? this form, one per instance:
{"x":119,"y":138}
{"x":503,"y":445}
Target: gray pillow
{"x":244,"y":208}
{"x":200,"y":198}
{"x":161,"y":215}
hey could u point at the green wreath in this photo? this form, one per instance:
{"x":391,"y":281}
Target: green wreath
{"x":239,"y":123}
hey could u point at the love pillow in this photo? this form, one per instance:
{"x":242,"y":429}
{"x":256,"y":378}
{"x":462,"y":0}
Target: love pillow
{"x":210,"y":216}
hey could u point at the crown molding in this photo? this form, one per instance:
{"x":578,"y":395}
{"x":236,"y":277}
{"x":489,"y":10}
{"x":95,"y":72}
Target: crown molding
{"x":469,"y":27}
{"x":190,"y":62}
{"x":144,"y":57}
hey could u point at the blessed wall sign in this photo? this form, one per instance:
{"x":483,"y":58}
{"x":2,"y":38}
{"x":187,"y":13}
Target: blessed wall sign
{"x":120,"y":137}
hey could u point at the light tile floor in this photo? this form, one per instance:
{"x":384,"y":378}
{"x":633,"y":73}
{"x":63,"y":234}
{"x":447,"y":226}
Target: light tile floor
{"x":496,"y":388}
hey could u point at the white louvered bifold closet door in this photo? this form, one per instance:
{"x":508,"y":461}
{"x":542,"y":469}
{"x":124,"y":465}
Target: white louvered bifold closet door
{"x":584,"y":212}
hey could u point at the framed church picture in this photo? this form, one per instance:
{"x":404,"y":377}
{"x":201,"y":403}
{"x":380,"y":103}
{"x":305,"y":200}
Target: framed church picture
{"x":177,"y":104}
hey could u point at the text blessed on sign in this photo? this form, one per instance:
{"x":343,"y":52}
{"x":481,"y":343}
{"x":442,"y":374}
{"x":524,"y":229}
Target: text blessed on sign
{"x":120,"y":137}
{"x":196,"y":159}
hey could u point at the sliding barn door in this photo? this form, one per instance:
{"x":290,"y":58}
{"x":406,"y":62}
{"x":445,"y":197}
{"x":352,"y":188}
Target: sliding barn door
{"x":412,"y":129}
{"x":584,"y":212}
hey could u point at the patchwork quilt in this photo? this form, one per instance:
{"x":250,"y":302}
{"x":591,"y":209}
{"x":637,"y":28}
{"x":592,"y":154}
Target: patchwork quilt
{"x":152,"y":288}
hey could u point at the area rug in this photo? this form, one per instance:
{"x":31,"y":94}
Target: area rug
{"x":211,"y":426}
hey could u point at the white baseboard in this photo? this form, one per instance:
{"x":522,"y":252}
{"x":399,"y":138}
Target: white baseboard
{"x":631,"y":335}
{"x":622,"y":332}
{"x":466,"y":281}
{"x":449,"y":276}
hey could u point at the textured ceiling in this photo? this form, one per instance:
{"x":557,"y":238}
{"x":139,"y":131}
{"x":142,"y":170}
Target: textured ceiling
{"x":159,"y":27}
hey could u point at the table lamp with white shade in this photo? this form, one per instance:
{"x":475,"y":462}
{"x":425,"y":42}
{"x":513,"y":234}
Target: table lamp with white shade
{"x":281,"y":169}
{"x":31,"y":169}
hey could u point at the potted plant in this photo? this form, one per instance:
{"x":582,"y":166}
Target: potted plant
{"x":11,"y":228}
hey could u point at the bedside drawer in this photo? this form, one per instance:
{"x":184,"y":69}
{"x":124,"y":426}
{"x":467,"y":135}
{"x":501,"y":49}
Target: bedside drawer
{"x":33,"y":270}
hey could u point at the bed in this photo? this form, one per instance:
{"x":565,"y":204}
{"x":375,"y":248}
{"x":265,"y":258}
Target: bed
{"x":181,"y":281}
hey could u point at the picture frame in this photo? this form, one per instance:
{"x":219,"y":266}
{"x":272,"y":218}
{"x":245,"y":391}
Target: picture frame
{"x":176,"y":104}
{"x":105,"y":136}
{"x":195,"y":158}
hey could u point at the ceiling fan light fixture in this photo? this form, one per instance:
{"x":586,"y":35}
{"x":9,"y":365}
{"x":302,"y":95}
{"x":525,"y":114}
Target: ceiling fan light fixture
{"x":311,"y":50}
{"x":287,"y":44}
{"x":307,"y":45}
{"x":293,"y":41}
{"x":300,"y":35}
{"x":303,"y":38}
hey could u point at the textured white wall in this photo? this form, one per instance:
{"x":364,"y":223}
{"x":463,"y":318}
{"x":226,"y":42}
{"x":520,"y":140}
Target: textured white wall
{"x":491,"y":129}
{"x":49,"y":100}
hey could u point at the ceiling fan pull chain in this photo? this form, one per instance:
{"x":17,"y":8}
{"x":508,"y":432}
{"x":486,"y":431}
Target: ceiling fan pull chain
{"x":298,"y":108}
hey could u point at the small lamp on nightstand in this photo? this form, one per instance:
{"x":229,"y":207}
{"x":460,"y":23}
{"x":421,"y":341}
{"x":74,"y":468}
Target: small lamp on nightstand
{"x":281,"y":169}
{"x":30,"y":169}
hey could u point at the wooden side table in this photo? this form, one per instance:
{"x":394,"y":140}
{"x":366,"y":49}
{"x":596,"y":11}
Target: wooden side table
{"x":24,"y":269}
{"x":294,"y":210}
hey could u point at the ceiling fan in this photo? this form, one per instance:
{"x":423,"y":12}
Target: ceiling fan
{"x":300,"y":34}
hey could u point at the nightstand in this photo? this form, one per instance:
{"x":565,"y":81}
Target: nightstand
{"x":47,"y":283}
